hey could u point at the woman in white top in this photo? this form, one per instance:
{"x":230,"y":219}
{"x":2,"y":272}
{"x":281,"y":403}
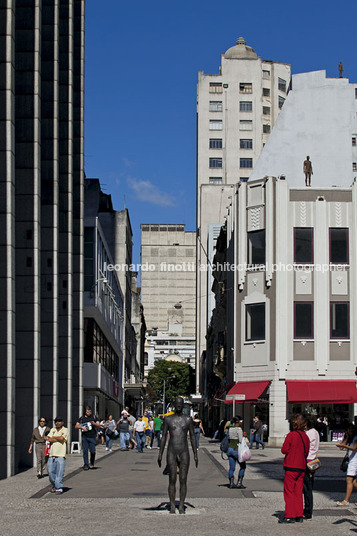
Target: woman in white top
{"x":308,"y":485}
{"x":349,"y":443}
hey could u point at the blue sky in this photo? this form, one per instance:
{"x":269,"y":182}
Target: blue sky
{"x":142,"y":60}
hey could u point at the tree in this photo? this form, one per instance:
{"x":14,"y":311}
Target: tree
{"x":178,"y":377}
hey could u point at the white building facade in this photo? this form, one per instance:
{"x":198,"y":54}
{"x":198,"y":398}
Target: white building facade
{"x":236,"y":110}
{"x":295,"y":256}
{"x":168,"y":269}
{"x":295,"y":295}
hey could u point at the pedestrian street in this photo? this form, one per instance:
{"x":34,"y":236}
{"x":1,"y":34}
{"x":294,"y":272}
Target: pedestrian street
{"x":126,"y":492}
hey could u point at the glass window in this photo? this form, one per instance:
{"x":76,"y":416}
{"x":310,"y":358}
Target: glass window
{"x":339,"y":246}
{"x":303,"y":245}
{"x":215,"y":124}
{"x":215,"y":143}
{"x":215,"y":180}
{"x":266,"y":92}
{"x":215,"y":87}
{"x":266,"y":129}
{"x":215,"y":106}
{"x":266,"y":75}
{"x":246,"y":144}
{"x":354,"y":166}
{"x":303,"y":320}
{"x":245,"y":125}
{"x":255,"y":322}
{"x":246,"y":106}
{"x":245,"y":87}
{"x":354,"y":141}
{"x":266,"y":110}
{"x":256,"y":247}
{"x":282,"y":84}
{"x":281,"y":101}
{"x":215,"y":162}
{"x":339,"y":320}
{"x":246,"y":162}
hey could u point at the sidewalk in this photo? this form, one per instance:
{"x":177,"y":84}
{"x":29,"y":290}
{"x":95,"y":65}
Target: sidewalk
{"x":127,"y":494}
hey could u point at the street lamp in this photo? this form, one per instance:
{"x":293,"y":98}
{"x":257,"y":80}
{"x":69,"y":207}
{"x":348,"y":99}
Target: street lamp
{"x":164,"y":395}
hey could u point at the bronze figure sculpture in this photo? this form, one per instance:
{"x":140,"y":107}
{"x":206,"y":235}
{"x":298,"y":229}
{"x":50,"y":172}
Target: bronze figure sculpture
{"x":340,"y":69}
{"x":177,"y":426}
{"x":308,"y":171}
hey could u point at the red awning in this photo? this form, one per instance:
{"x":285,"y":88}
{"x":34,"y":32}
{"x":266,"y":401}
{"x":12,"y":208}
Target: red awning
{"x":322,"y":391}
{"x":246,"y":392}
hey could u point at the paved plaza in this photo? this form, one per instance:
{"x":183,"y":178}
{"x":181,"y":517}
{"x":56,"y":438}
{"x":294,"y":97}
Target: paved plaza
{"x":126,"y":494}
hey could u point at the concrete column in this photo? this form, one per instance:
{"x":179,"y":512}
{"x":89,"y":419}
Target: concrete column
{"x":278,"y":423}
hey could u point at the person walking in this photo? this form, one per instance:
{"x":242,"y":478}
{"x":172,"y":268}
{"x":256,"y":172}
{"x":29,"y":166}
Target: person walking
{"x":145,"y":418}
{"x":39,"y":438}
{"x":88,"y":424}
{"x":139,"y":433}
{"x":110,"y":427}
{"x":349,"y":443}
{"x":235,"y":434}
{"x":124,"y":425}
{"x":101,"y":431}
{"x":296,"y":448}
{"x":198,"y":428}
{"x":257,"y":433}
{"x":308,"y":484}
{"x":56,"y":464}
{"x":157,"y":431}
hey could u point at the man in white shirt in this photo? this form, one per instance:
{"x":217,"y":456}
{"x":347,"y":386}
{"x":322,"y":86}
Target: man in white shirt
{"x":57,"y":458}
{"x":139,"y":433}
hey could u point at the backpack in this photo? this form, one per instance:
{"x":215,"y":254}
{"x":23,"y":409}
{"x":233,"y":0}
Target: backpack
{"x":224,"y":444}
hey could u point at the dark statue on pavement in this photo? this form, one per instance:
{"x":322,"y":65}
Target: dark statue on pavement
{"x":177,"y":451}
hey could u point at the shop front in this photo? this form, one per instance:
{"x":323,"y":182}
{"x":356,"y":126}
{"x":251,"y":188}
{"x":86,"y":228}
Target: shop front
{"x":250,"y":399}
{"x":329,"y":401}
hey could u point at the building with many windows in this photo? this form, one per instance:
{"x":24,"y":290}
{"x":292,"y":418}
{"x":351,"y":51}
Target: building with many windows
{"x":41,"y":214}
{"x":103,"y":369}
{"x":168,"y":267}
{"x":236,"y":111}
{"x":116,"y":269}
{"x":288,"y":296}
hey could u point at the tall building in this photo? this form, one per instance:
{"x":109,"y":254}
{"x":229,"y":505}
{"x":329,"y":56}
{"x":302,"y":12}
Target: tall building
{"x":103,"y":369}
{"x":41,"y":214}
{"x":236,"y":110}
{"x":291,"y":300}
{"x":168,"y":265}
{"x":116,"y":228}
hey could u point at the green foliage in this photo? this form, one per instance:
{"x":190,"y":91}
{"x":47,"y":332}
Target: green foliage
{"x":179,"y":380}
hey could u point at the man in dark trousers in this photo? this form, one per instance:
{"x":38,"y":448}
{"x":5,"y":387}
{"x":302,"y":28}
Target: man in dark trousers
{"x":177,"y":426}
{"x":257,"y":433}
{"x":88,"y":423}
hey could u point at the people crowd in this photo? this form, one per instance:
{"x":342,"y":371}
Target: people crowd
{"x":300,"y":450}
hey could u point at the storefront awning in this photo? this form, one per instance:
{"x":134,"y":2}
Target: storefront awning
{"x":246,"y":392}
{"x":322,"y":391}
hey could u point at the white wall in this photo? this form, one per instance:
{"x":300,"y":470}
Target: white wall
{"x":318,"y":119}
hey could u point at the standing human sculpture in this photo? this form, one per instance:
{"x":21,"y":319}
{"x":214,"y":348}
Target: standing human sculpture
{"x":177,"y":452}
{"x":340,"y":69}
{"x":307,"y":167}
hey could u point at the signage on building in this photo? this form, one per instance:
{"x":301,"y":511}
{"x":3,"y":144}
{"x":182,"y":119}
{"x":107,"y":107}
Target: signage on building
{"x":235,"y":398}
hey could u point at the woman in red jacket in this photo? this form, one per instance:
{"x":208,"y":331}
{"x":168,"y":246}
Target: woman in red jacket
{"x":296,"y":447}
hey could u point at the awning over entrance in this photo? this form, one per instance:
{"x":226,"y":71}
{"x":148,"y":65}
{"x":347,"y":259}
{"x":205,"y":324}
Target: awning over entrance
{"x":322,"y":391}
{"x":246,"y":392}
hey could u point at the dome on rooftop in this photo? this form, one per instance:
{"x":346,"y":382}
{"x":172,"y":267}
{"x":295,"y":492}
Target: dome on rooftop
{"x":241,"y":51}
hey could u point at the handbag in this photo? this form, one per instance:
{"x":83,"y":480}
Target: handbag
{"x":344,"y":463}
{"x":225,"y":444}
{"x":244,"y":453}
{"x":313,"y":465}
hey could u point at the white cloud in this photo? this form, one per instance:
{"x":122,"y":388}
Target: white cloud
{"x":148,"y":192}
